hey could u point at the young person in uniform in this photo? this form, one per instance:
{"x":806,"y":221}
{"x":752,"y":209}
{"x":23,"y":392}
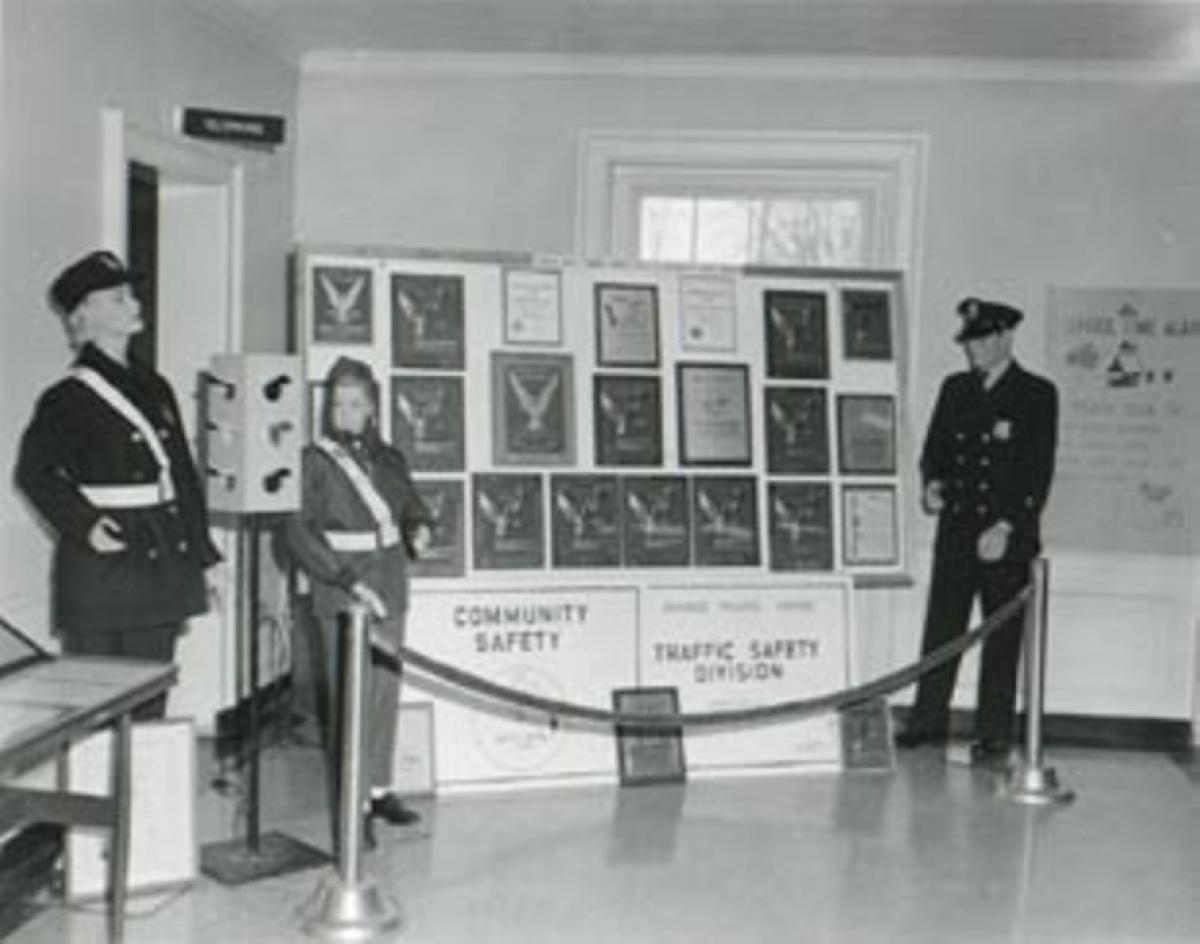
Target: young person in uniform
{"x":105,"y":463}
{"x":986,"y":469}
{"x":360,"y":520}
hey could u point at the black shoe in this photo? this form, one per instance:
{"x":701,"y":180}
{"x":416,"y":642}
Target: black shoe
{"x":369,"y":841}
{"x":390,"y":808}
{"x":990,"y":754}
{"x":915,"y":737}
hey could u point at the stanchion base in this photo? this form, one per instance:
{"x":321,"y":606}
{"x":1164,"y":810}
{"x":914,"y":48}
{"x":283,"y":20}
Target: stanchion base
{"x":343,"y":912}
{"x":1035,"y":786}
{"x":232,"y":862}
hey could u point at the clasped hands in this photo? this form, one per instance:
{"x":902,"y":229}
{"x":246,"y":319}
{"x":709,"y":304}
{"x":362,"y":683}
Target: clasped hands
{"x":993,"y":542}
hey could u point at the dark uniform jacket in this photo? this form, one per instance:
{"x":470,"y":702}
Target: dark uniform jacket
{"x":77,"y":439}
{"x":330,"y":502}
{"x":993,"y":451}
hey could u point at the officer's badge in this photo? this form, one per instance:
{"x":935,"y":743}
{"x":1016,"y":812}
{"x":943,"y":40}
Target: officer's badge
{"x":1002,"y":430}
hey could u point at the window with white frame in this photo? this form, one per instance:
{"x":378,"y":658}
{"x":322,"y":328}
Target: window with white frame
{"x":800,"y":199}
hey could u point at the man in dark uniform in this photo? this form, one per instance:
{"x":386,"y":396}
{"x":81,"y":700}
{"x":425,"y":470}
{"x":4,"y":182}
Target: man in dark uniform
{"x":986,"y":470}
{"x":105,"y":462}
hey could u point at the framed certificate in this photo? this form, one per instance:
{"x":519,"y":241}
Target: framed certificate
{"x":413,"y":769}
{"x":628,"y":420}
{"x":800,"y":516}
{"x":866,"y":731}
{"x":725,"y":516}
{"x":585,"y":521}
{"x":342,"y":311}
{"x":427,"y":321}
{"x":866,"y":434}
{"x":707,"y":313}
{"x":445,"y":556}
{"x":867,"y":324}
{"x":532,"y":307}
{"x":656,"y":530}
{"x":870,"y":528}
{"x":508,"y":521}
{"x":797,"y":428}
{"x":427,"y":421}
{"x":797,"y":335}
{"x":626,"y":325}
{"x":647,"y":755}
{"x":533,"y":409}
{"x":714,"y":414}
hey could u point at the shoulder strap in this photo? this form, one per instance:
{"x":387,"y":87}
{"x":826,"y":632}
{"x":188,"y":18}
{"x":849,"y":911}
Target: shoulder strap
{"x":118,"y":401}
{"x":362,"y":483}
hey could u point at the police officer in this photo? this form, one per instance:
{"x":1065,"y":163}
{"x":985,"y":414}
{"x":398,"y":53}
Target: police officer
{"x":986,"y":470}
{"x":105,"y":463}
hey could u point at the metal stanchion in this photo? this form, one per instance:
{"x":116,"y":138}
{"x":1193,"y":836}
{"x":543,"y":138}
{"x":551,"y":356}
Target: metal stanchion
{"x":1030,"y":781}
{"x":348,"y":905}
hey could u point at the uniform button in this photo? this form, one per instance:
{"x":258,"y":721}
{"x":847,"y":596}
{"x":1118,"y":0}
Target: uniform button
{"x":152,"y":553}
{"x":162,"y":434}
{"x":183,"y":545}
{"x":984,"y":460}
{"x":135,"y":436}
{"x":983,"y":486}
{"x":986,"y":438}
{"x":960,"y":459}
{"x":172,"y":509}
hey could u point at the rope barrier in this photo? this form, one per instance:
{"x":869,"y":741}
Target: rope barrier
{"x":394,"y":658}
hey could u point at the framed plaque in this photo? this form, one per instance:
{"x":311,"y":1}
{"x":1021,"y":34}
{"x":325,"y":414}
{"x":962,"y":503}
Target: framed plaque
{"x":413,"y":770}
{"x":657,"y":519}
{"x":533,"y":409}
{"x":866,"y":731}
{"x":628,"y":419}
{"x":427,"y":321}
{"x":866,"y":434}
{"x":532,"y":307}
{"x":800,"y":516}
{"x":342,"y":311}
{"x":870,"y":527}
{"x":797,"y":427}
{"x":707,"y":313}
{"x":585,"y":521}
{"x":867,"y":324}
{"x":647,"y":755}
{"x":626,"y":325}
{"x":725,"y":516}
{"x":445,"y":556}
{"x":797,"y":335}
{"x":427,"y":421}
{"x":508,"y":521}
{"x":714,"y":414}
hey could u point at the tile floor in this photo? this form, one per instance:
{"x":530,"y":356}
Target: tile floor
{"x":926,"y":854}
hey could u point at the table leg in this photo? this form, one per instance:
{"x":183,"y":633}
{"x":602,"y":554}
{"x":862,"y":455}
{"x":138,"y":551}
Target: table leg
{"x":118,"y":861}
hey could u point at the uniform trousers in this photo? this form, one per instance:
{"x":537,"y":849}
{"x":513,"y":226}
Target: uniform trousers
{"x":148,"y":643}
{"x":958,"y":578}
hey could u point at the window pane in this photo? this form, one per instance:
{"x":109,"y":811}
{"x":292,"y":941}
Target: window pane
{"x":665,"y":230}
{"x":813,"y":232}
{"x":722,"y":231}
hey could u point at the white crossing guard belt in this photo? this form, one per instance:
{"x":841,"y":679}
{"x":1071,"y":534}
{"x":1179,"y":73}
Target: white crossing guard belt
{"x":127,"y":496}
{"x":364,"y":541}
{"x":386,"y":533}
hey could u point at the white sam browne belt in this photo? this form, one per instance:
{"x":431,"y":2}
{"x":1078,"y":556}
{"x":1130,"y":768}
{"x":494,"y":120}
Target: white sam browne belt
{"x":386,"y":533}
{"x":364,"y":541}
{"x":129,"y":496}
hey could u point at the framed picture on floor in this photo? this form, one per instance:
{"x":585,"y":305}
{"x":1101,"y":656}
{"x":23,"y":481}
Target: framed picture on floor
{"x":414,"y":772}
{"x":649,"y":755}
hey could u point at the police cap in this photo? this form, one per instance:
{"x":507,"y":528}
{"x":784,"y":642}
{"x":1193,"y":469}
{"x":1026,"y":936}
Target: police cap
{"x":95,"y":271}
{"x":981,"y":318}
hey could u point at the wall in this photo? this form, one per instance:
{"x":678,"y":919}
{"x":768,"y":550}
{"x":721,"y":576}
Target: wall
{"x":1030,"y":183}
{"x":63,"y":62}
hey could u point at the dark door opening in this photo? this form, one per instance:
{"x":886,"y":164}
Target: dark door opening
{"x":141,"y":253}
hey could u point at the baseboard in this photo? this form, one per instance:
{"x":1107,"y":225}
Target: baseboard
{"x":1067,"y":730}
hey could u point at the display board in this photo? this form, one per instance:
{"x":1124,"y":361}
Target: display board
{"x":573,"y":423}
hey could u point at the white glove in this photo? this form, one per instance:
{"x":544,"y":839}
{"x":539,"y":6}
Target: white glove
{"x":370,"y":599}
{"x":932,"y":499}
{"x":105,"y":536}
{"x":994,"y":542}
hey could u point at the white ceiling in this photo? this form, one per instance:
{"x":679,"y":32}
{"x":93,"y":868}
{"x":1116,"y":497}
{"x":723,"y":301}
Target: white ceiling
{"x":1052,"y":31}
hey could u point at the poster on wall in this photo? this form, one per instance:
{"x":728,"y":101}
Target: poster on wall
{"x":707,"y":314}
{"x":725,"y":512}
{"x":757,"y":643}
{"x":427,"y":421}
{"x":533,"y":307}
{"x":1127,"y":365}
{"x":797,"y":420}
{"x":508,"y":521}
{"x":866,"y":434}
{"x":656,"y":529}
{"x":866,"y":324}
{"x":626,"y":325}
{"x":533,"y":409}
{"x":628,"y":417}
{"x":445,"y":556}
{"x":714,"y":414}
{"x":342,"y":311}
{"x":585,"y":529}
{"x":427,"y":321}
{"x":870,"y":525}
{"x":800,"y":516}
{"x":797,"y":335}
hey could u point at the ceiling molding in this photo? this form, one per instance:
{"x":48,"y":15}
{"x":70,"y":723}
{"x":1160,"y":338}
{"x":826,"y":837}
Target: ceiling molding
{"x":549,"y":65}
